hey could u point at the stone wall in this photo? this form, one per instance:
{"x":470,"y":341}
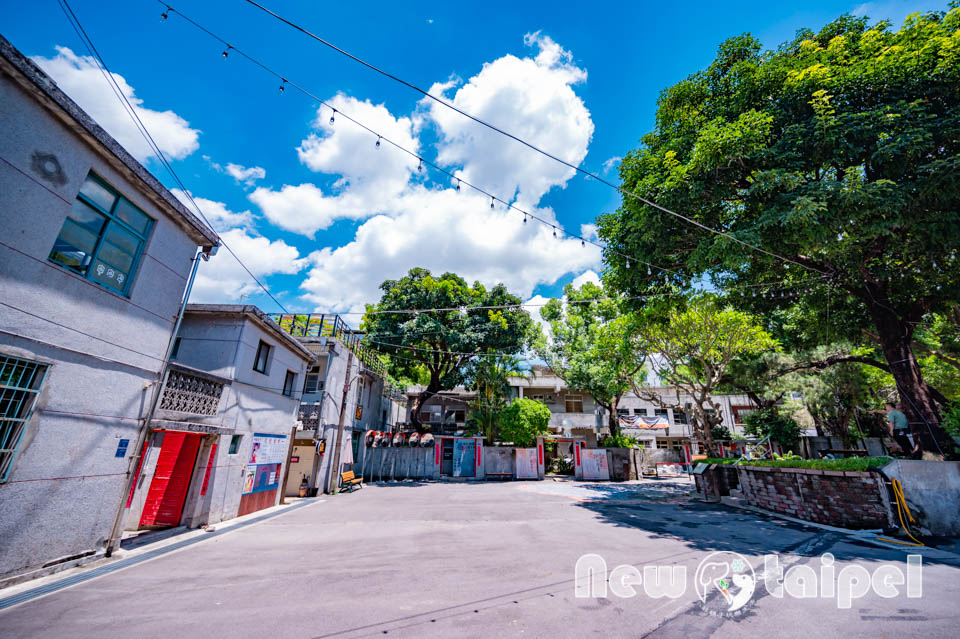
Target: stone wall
{"x":836,"y":498}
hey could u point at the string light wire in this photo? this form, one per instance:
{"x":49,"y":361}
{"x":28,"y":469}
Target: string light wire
{"x":105,"y":71}
{"x":529,"y":145}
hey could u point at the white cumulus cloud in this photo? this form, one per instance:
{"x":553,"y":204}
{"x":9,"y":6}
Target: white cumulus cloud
{"x":246,"y":175}
{"x":216,"y":213}
{"x":81,"y":79}
{"x":223,"y":279}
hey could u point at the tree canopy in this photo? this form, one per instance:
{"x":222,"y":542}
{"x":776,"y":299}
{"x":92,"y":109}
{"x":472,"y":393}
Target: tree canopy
{"x":839,"y":151}
{"x":437,"y":345}
{"x":694,"y":348}
{"x":523,"y":421}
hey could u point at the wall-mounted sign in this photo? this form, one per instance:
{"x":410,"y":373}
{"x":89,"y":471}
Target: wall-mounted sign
{"x":294,"y":459}
{"x":359,"y":411}
{"x":266,"y":459}
{"x":122,"y":448}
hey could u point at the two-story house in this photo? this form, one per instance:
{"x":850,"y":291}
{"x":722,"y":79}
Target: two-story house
{"x":221,"y":436}
{"x":95,"y":258}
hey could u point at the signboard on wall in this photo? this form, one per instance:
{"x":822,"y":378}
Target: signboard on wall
{"x":266,"y":460}
{"x":527,"y":463}
{"x":595,"y":463}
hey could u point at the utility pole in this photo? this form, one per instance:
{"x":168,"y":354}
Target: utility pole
{"x":335,"y":470}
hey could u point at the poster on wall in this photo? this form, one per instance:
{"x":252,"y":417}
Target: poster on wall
{"x":527,"y":463}
{"x":266,"y":459}
{"x":463,"y":457}
{"x":595,"y":463}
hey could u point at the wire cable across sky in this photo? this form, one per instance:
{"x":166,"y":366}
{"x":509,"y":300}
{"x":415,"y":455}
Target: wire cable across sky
{"x":525,"y":143}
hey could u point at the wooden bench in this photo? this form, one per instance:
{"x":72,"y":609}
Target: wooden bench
{"x":350,"y":481}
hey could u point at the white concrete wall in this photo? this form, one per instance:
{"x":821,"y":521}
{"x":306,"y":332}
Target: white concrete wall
{"x":66,"y":485}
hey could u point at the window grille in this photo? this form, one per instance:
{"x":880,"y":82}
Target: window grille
{"x":186,"y":393}
{"x":20,"y":383}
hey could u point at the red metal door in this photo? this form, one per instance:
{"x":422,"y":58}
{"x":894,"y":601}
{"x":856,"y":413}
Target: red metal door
{"x":171,"y":480}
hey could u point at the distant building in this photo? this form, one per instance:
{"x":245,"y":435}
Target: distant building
{"x":371,"y":402}
{"x":95,"y":255}
{"x":575,"y":412}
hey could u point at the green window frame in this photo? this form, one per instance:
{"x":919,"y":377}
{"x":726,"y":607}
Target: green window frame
{"x":103,"y":237}
{"x":20,"y":384}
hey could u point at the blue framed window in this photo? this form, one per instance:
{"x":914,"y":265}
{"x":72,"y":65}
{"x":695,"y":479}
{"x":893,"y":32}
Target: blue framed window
{"x":103,"y":237}
{"x":20,"y":383}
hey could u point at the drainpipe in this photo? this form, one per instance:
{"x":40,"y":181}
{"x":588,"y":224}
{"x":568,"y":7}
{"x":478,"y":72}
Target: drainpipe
{"x":133,"y":465}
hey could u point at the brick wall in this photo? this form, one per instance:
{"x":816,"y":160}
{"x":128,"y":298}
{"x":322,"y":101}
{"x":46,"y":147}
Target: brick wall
{"x":836,"y":498}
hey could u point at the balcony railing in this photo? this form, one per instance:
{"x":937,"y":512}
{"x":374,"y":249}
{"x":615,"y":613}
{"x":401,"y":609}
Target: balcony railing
{"x":189,"y":392}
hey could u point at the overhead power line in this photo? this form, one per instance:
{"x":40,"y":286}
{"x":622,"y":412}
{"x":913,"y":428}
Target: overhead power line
{"x":525,"y":143}
{"x":380,"y":138}
{"x":422,"y":162}
{"x":108,"y":75}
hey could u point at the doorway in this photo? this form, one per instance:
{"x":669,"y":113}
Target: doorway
{"x":163,"y":506}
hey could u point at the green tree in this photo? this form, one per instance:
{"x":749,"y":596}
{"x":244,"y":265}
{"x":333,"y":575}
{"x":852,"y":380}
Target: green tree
{"x":840,"y":151}
{"x":592,"y":346}
{"x":489,"y":378}
{"x":694,"y":347}
{"x":782,"y":428}
{"x":523,"y":421}
{"x":438,"y":344}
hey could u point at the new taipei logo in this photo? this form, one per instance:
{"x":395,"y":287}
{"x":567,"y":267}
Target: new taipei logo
{"x":729,"y":577}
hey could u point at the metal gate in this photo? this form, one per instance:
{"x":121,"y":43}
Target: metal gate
{"x":171,"y":480}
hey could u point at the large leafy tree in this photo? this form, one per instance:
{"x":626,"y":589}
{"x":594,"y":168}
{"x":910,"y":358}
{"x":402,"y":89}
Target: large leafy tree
{"x":592,"y":346}
{"x":437,"y":345}
{"x":694,"y":348}
{"x":839,"y":151}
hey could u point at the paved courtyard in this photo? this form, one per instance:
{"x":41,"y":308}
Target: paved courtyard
{"x":481,"y":560}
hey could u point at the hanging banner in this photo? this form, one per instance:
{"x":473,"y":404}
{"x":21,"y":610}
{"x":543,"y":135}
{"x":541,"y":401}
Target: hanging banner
{"x":266,"y":460}
{"x":527,"y":463}
{"x":595,"y":463}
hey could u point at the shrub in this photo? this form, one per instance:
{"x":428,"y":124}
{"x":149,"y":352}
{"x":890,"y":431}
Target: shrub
{"x":769,"y":421}
{"x":523,"y":421}
{"x":620,"y":441}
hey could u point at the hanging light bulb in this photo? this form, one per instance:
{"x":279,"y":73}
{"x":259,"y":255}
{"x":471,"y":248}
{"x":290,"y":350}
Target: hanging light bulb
{"x":582,"y":243}
{"x":649,"y":272}
{"x":554,"y":231}
{"x":226,"y":52}
{"x":458,"y":185}
{"x":628,"y":262}
{"x":333,"y":117}
{"x":283,"y":85}
{"x":491,"y":201}
{"x":420,"y":166}
{"x":524,"y":218}
{"x":164,"y":16}
{"x":378,"y":142}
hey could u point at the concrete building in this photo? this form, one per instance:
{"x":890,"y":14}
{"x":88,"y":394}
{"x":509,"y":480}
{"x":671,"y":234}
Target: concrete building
{"x":222,"y":434}
{"x":576,"y":413}
{"x":371,"y":402}
{"x":95,"y":256}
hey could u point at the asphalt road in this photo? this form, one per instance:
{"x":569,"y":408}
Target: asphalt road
{"x":485,"y":560}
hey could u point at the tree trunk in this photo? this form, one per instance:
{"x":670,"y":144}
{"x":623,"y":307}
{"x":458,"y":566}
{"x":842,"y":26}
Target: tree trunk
{"x":915,"y":396}
{"x":613,"y":420}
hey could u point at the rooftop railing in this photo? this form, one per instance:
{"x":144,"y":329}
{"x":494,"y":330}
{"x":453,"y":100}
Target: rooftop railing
{"x":332,"y":325}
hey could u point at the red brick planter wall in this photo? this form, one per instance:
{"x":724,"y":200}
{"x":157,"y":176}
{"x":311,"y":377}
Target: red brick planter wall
{"x":836,"y":498}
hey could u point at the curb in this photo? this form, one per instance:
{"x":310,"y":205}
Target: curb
{"x":136,"y":556}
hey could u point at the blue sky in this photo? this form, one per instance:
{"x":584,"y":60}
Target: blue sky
{"x":321,"y":214}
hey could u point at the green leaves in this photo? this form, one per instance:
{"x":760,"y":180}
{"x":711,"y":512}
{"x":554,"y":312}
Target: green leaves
{"x":441,"y":342}
{"x":523,"y":421}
